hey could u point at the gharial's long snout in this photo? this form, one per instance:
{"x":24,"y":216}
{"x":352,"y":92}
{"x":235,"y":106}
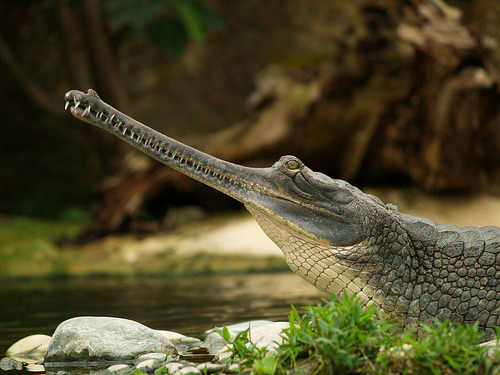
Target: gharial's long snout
{"x":234,"y":180}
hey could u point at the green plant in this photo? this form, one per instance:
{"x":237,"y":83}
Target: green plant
{"x":160,"y":371}
{"x":342,"y":337}
{"x":445,"y":348}
{"x":170,"y":24}
{"x":338,"y":336}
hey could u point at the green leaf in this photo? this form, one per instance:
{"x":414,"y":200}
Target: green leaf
{"x":161,"y":371}
{"x":170,"y":24}
{"x":268,"y":364}
{"x":190,"y":18}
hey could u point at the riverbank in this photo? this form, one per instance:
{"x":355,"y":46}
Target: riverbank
{"x":34,"y":248}
{"x":231,"y":243}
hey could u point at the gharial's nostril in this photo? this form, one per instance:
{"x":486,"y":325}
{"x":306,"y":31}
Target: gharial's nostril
{"x":68,"y":96}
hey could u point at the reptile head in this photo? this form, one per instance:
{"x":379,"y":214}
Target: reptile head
{"x":327,"y":210}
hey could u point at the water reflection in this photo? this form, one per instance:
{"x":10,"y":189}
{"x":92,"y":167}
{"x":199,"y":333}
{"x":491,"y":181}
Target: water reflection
{"x":187,"y":305}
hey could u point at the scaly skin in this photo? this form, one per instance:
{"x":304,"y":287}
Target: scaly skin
{"x":335,"y":236}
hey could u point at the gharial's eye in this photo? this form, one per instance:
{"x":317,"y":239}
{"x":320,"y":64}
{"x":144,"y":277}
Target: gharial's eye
{"x":292,"y":165}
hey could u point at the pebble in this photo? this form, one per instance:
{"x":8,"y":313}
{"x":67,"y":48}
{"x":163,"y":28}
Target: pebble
{"x":189,"y":370}
{"x":35,"y":367}
{"x":147,"y":364}
{"x":209,"y":367}
{"x":32,"y":347}
{"x":7,"y":364}
{"x":119,"y":368}
{"x":160,"y":357}
{"x":173,"y":367}
{"x":234,"y":368}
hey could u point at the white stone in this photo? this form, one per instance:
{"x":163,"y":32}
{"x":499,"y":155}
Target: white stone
{"x":160,"y":357}
{"x":29,"y":348}
{"x":147,"y":363}
{"x":189,"y":370}
{"x":209,"y":367}
{"x":173,"y":367}
{"x":214,"y":341}
{"x":119,"y":368}
{"x":268,"y":336}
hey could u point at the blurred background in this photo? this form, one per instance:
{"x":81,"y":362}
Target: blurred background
{"x":396,"y":94}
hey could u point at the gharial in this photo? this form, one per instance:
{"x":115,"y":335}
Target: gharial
{"x":337,"y":237}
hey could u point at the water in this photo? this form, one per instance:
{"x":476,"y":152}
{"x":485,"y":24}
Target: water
{"x":188,"y":305}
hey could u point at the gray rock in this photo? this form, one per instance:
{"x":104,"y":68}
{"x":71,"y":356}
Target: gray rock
{"x":102,"y":338}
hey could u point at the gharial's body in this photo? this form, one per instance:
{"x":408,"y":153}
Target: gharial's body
{"x":335,"y":236}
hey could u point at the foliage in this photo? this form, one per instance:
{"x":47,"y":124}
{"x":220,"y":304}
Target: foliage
{"x":446,"y":348}
{"x":247,"y":354}
{"x":170,"y":24}
{"x":339,"y":336}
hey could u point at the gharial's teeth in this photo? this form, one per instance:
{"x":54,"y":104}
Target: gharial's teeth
{"x":112,"y":117}
{"x":66,"y":105}
{"x":77,"y":104}
{"x":86,"y":111}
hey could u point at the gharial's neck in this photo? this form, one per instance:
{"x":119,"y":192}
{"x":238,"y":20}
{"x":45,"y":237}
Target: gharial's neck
{"x":329,"y":268}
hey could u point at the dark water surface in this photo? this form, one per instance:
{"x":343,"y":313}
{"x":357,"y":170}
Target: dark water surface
{"x":188,"y":305}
